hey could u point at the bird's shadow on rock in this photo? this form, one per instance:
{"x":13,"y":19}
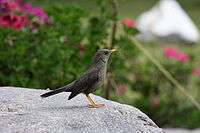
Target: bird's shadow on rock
{"x":64,"y":108}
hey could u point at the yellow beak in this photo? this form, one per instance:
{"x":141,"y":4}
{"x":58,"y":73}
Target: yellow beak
{"x":113,"y":50}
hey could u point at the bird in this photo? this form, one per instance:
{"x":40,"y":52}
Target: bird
{"x":88,"y":83}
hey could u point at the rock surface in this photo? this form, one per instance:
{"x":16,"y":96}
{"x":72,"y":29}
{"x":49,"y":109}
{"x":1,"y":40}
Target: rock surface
{"x":23,"y":111}
{"x":181,"y":130}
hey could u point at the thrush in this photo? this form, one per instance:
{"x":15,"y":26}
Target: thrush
{"x":87,"y":83}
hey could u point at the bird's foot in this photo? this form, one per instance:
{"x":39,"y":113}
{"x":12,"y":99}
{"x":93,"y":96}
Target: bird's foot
{"x":96,"y":105}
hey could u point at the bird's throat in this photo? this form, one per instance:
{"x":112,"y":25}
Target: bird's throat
{"x":102,"y":60}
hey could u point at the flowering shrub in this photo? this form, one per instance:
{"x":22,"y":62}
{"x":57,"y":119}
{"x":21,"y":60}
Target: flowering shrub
{"x":50,"y":51}
{"x":35,"y":11}
{"x":130,"y":26}
{"x":13,"y":21}
{"x":128,"y":22}
{"x":16,"y":14}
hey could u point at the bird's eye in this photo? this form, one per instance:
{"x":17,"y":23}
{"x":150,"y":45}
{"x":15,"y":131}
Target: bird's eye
{"x":106,"y":52}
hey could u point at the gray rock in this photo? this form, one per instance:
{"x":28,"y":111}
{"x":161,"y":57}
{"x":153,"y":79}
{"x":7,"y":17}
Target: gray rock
{"x":182,"y":130}
{"x":23,"y":111}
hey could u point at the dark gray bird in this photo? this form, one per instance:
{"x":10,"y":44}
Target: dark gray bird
{"x":89,"y":81}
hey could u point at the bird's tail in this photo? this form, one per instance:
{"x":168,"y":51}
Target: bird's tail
{"x":66,"y":88}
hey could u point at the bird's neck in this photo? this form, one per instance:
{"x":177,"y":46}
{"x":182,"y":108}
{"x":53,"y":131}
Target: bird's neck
{"x":100,"y":65}
{"x":99,"y":59}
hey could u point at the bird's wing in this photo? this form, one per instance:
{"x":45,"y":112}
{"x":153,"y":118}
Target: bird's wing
{"x":87,"y":81}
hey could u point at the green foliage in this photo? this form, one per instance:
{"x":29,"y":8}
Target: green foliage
{"x":45,"y":58}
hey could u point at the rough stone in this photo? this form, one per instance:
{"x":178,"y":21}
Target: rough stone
{"x":22,"y":110}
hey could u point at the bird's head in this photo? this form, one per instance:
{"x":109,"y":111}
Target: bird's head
{"x":103,"y":55}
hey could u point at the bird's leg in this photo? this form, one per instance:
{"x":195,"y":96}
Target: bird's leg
{"x":92,"y":104}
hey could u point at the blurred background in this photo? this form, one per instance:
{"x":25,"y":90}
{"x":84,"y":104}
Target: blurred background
{"x":47,"y":44}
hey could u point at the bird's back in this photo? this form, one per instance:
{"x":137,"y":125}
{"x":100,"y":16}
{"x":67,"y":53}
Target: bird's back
{"x":89,"y":81}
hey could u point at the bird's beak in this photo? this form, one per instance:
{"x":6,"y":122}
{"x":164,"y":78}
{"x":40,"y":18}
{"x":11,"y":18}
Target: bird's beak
{"x":113,"y":50}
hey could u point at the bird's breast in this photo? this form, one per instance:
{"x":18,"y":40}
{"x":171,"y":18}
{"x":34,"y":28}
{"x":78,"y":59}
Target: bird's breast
{"x":102,"y":75}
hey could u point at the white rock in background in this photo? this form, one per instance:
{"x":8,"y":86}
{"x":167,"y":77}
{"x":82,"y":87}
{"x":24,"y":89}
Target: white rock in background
{"x":167,"y":20}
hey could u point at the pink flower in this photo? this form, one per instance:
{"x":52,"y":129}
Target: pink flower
{"x":3,"y":1}
{"x":170,"y":52}
{"x":182,"y":57}
{"x":27,"y":7}
{"x":128,"y":22}
{"x":13,"y":21}
{"x":14,"y":14}
{"x":21,"y":23}
{"x":175,"y":54}
{"x":121,"y":89}
{"x":12,"y":5}
{"x":196,"y":71}
{"x":36,"y":11}
{"x":4,"y":21}
{"x":22,"y":8}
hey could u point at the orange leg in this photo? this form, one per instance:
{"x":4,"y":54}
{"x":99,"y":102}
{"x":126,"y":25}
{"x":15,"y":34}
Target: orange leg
{"x":92,"y":104}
